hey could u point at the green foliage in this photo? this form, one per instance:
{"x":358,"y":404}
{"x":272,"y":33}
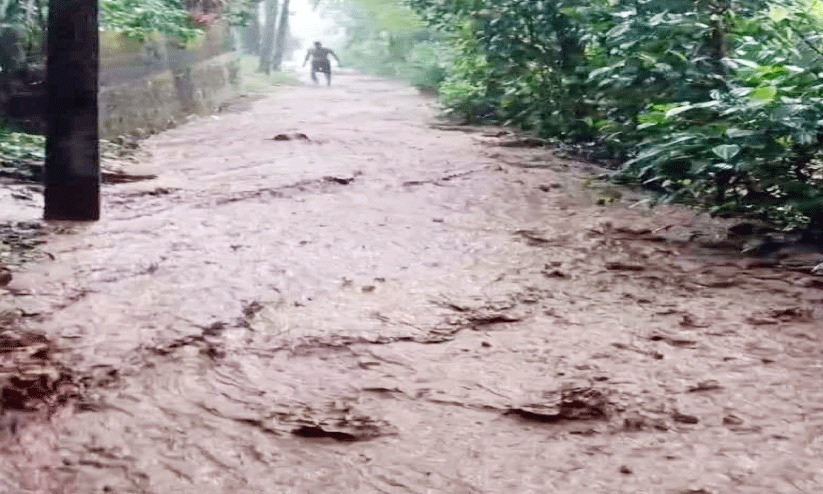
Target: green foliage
{"x":19,"y":152}
{"x":253,"y":81}
{"x":711,"y":102}
{"x":135,"y":18}
{"x":140,"y":19}
{"x":239,"y":13}
{"x":465,"y":92}
{"x":16,"y":147}
{"x":386,"y":38}
{"x":22,"y":24}
{"x":143,"y":18}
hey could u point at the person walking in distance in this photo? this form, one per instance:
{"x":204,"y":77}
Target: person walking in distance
{"x":320,"y":62}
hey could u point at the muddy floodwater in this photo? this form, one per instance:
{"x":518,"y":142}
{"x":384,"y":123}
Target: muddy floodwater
{"x":324,"y":292}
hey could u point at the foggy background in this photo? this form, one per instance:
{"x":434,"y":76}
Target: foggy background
{"x":309,"y":25}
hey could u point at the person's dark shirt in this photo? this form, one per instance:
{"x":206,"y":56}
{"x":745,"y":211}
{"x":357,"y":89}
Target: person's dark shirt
{"x":320,"y":54}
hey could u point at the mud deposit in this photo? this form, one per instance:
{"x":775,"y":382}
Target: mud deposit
{"x":388,"y":306}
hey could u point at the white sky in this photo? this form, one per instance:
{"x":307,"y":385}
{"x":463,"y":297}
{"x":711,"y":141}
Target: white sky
{"x":310,"y":26}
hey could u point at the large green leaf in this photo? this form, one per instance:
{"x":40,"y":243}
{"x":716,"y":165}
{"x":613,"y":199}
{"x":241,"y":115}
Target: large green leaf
{"x":764,"y":94}
{"x":726,"y":151}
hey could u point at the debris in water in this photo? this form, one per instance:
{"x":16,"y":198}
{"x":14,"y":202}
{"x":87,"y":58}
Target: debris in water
{"x":533,"y":238}
{"x":502,"y":133}
{"x":121,"y":177}
{"x":523,"y":142}
{"x":673,"y":340}
{"x":710,"y":385}
{"x":550,"y":187}
{"x":251,"y":309}
{"x":30,"y":380}
{"x":732,"y":420}
{"x":574,"y":405}
{"x":793,"y":314}
{"x":492,"y":318}
{"x":298,"y":136}
{"x":5,"y":276}
{"x":638,"y":423}
{"x":336,"y":423}
{"x":685,"y":419}
{"x":339,"y":180}
{"x":622,"y":266}
{"x":548,"y":272}
{"x":689,"y":321}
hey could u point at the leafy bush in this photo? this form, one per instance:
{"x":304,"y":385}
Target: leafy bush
{"x":20,"y":154}
{"x":16,"y":147}
{"x":465,"y":92}
{"x":711,"y":102}
{"x":140,"y":18}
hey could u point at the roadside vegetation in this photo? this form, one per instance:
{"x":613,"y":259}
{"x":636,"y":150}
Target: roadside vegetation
{"x":712,"y":103}
{"x":387,"y":38}
{"x":253,"y":81}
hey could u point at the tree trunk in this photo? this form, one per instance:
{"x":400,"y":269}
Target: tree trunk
{"x":72,"y":172}
{"x":282,"y":37}
{"x":251,"y":32}
{"x":717,"y":43}
{"x":268,"y":36}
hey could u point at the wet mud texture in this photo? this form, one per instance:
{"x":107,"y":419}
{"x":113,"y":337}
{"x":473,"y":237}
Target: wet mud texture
{"x":387,"y":306}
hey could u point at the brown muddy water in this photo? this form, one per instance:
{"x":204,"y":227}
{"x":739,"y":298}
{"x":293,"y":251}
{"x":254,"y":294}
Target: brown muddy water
{"x":386,"y":306}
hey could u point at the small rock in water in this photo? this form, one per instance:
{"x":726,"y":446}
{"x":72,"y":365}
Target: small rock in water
{"x":5,"y":277}
{"x":297,"y":136}
{"x":339,"y":180}
{"x":732,"y":420}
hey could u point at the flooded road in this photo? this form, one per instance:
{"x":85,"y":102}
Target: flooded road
{"x":383,"y":306}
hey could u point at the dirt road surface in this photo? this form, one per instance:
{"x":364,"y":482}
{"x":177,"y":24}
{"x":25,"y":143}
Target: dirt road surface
{"x":391,"y":307}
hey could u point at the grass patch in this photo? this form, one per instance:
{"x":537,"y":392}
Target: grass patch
{"x":17,"y":146}
{"x":19,"y":152}
{"x":22,"y":156}
{"x":252,"y":81}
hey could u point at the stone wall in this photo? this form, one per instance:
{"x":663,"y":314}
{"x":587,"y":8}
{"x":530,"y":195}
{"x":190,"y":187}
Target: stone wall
{"x":156,"y":102}
{"x":147,"y":86}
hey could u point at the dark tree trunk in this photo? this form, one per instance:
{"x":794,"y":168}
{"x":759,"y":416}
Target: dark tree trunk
{"x":282,"y":36}
{"x":717,"y":43}
{"x":72,"y":172}
{"x":267,"y":47}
